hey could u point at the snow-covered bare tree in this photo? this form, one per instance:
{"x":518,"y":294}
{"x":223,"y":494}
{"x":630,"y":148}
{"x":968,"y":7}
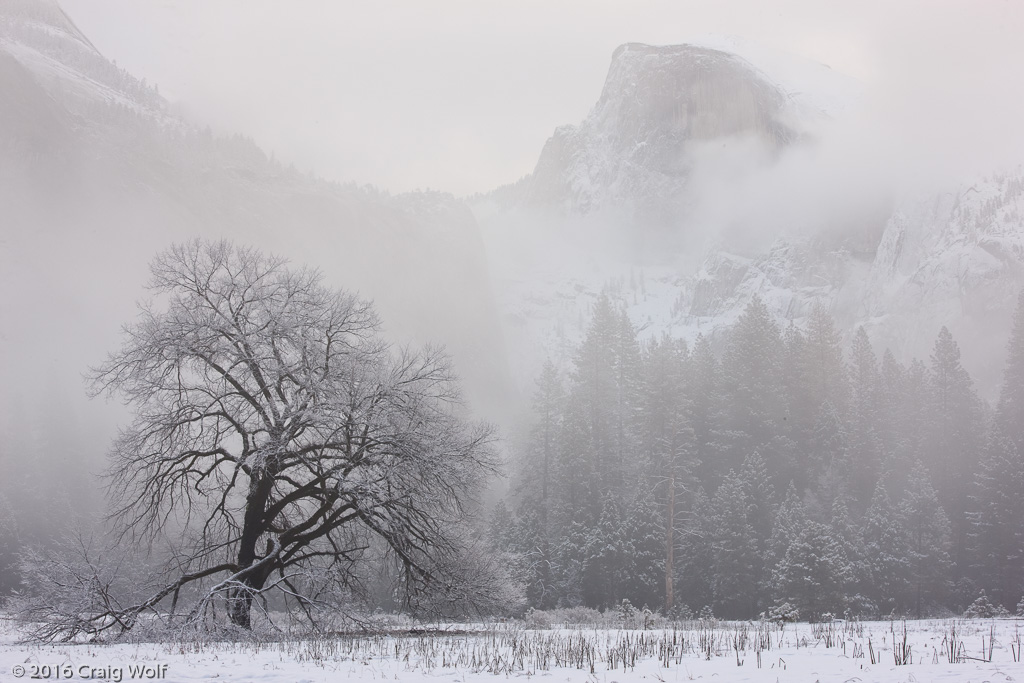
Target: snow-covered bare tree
{"x":276,"y":437}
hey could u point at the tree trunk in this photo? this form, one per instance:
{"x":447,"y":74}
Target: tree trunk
{"x":253,"y":526}
{"x":240,"y":604}
{"x":670,"y":542}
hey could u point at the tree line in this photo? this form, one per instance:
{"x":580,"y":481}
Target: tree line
{"x":779,"y":471}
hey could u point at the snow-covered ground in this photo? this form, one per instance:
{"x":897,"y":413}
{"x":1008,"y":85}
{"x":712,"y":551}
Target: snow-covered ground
{"x":723,"y":651}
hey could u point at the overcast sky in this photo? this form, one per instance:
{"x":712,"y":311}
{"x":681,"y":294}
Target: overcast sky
{"x":460,"y":95}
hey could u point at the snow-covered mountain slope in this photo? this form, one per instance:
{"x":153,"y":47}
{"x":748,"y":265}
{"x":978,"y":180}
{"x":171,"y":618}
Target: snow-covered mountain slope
{"x":582,"y":222}
{"x":41,"y":36}
{"x":97,"y":174}
{"x":659,"y":103}
{"x":953,"y":258}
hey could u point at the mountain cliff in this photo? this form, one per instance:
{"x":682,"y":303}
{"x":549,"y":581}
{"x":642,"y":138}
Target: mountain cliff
{"x":667,"y":119}
{"x":659,"y":104}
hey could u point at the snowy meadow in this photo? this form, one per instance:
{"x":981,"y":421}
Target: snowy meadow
{"x":924,"y":650}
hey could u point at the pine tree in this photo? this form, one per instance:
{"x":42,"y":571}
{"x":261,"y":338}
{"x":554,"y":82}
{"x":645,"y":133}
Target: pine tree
{"x":569,"y":567}
{"x":595,"y":393}
{"x":997,"y":521}
{"x":664,"y":403}
{"x":914,"y":418}
{"x":894,"y":438}
{"x":575,"y":489}
{"x":814,"y":573}
{"x":927,"y":537}
{"x":603,"y":571}
{"x":865,"y":417}
{"x":830,"y":453}
{"x":1010,"y":410}
{"x":955,"y":428}
{"x":695,"y":571}
{"x":668,"y":437}
{"x":707,"y":406}
{"x":605,"y":388}
{"x":801,"y":411}
{"x":753,"y":386}
{"x":527,"y":538}
{"x":643,"y":553}
{"x":760,"y":493}
{"x":827,"y":395}
{"x":735,"y":551}
{"x":787,"y":523}
{"x":851,"y":544}
{"x":826,"y":370}
{"x":760,"y":498}
{"x":548,"y":413}
{"x":500,"y":529}
{"x":885,"y":553}
{"x":629,"y":378}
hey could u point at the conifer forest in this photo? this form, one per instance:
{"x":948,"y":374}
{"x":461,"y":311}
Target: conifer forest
{"x":781,"y":473}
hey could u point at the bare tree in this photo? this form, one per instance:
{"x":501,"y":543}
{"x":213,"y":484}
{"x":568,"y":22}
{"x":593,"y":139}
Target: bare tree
{"x":276,"y":437}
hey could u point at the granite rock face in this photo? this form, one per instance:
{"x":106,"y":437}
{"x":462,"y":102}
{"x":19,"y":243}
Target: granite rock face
{"x":633,"y":148}
{"x":628,"y":175}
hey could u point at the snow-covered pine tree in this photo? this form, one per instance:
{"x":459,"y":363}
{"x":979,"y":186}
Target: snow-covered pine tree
{"x":575,"y":489}
{"x":864,"y":416}
{"x":848,"y":536}
{"x":499,"y":532}
{"x":789,"y":519}
{"x":734,"y":549}
{"x":826,"y":370}
{"x":526,"y":539}
{"x":665,"y":405}
{"x":603,"y":571}
{"x":752,"y":373}
{"x":760,"y":492}
{"x":955,"y":431}
{"x":801,"y":412}
{"x":885,"y":553}
{"x":829,"y":458}
{"x":892,"y":377}
{"x":668,"y":439}
{"x":569,"y":555}
{"x":996,"y":518}
{"x":629,"y":379}
{"x":643,"y":562}
{"x":910,"y":422}
{"x":707,"y":406}
{"x":1010,"y":410}
{"x":982,"y":608}
{"x":548,"y":413}
{"x":605,"y":387}
{"x":898,"y":439}
{"x":928,"y":539}
{"x":695,"y":570}
{"x":595,"y":393}
{"x":814,"y":574}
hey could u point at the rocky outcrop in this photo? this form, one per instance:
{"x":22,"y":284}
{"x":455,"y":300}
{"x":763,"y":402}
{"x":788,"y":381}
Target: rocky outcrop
{"x":634,"y":147}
